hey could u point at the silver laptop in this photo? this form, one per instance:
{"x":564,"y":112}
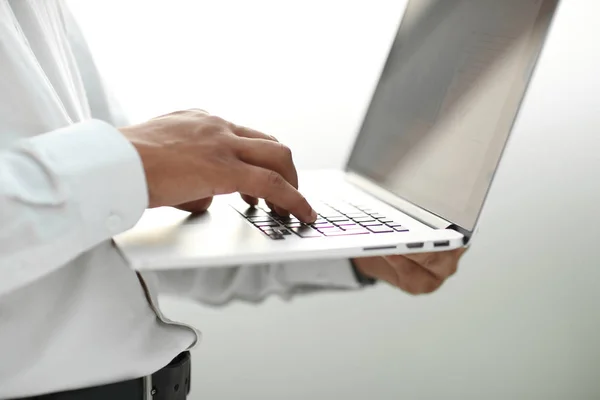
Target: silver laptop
{"x":422,"y":163}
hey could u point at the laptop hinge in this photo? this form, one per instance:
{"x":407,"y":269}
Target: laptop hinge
{"x":406,"y":207}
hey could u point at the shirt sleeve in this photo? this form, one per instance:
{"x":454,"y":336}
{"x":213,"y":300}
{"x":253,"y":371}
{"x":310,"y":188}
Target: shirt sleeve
{"x":253,"y":283}
{"x":63,"y":192}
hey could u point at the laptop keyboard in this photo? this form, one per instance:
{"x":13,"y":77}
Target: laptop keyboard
{"x":334,"y":220}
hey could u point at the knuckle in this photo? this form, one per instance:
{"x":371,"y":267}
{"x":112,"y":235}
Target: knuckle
{"x":285,"y":151}
{"x":431,"y":286}
{"x":216,"y":121}
{"x":412,"y":288}
{"x":197,"y":111}
{"x":452,"y":268}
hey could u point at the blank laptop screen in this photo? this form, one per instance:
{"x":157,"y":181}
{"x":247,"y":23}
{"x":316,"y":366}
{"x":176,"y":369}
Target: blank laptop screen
{"x":447,"y":98}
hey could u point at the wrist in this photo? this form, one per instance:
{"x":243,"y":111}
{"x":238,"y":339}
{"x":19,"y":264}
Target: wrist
{"x":144,"y":150}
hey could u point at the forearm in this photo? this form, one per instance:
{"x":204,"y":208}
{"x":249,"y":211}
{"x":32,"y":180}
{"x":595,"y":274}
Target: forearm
{"x":252,"y":283}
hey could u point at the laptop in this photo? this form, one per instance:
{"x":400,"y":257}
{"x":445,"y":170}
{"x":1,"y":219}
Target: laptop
{"x":421,"y":165}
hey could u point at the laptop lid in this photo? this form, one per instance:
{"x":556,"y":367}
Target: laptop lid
{"x":446,"y":101}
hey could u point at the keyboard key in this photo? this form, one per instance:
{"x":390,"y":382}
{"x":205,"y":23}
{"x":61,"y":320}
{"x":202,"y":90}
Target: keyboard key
{"x":282,"y":231}
{"x":345,"y":233}
{"x":338,"y":219}
{"x":351,"y":227}
{"x":386,"y":220}
{"x":328,"y":231}
{"x":332,"y":214}
{"x":346,"y":224}
{"x":325,"y":225}
{"x":320,"y":221}
{"x":250,"y":211}
{"x":365,"y":208}
{"x":393,"y":224}
{"x":380,"y":229}
{"x":278,"y":217}
{"x":400,"y":229}
{"x":289,"y":220}
{"x":323,"y":212}
{"x":306,"y":232}
{"x":363,"y":219}
{"x":264,"y":224}
{"x":345,"y":209}
{"x":260,"y":219}
{"x":378,"y":216}
{"x":359,"y":229}
{"x":371,"y":223}
{"x":356,"y":215}
{"x":276,"y":236}
{"x":320,"y":206}
{"x":294,"y":225}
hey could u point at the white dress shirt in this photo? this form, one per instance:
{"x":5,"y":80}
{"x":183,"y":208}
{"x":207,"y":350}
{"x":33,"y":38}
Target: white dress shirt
{"x":72,"y":313}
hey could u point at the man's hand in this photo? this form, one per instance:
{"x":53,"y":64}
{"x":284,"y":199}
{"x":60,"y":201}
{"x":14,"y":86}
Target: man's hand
{"x":191,"y":155}
{"x":415,"y":273}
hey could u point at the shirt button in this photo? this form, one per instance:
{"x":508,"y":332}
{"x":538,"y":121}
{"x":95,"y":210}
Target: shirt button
{"x":113,"y":223}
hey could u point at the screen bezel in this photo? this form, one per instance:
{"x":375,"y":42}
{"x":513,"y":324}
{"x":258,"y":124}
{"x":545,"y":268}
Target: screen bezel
{"x":465,"y":230}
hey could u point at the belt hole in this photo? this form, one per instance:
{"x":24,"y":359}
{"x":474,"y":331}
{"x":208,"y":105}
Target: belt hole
{"x":177,"y":387}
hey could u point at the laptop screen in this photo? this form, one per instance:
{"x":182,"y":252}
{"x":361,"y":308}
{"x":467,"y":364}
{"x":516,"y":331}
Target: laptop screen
{"x":446,"y":101}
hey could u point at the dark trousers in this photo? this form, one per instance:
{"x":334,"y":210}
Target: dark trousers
{"x":169,"y":383}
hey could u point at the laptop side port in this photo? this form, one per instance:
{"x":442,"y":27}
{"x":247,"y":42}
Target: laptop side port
{"x":443,"y":243}
{"x":417,"y":245}
{"x":379,"y":248}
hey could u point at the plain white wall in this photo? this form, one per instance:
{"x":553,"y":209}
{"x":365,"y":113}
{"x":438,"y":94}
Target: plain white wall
{"x":519,"y":321}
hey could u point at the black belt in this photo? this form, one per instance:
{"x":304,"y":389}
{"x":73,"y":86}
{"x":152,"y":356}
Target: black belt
{"x":169,"y":383}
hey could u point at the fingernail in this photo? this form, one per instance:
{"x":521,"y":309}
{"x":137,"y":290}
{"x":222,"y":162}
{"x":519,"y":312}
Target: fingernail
{"x":313,"y":215}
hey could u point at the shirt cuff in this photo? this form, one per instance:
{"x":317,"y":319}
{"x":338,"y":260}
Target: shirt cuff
{"x":98,"y":170}
{"x":323,"y":273}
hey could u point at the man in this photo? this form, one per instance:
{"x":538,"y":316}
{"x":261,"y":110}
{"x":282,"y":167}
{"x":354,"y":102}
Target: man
{"x":73,"y":315}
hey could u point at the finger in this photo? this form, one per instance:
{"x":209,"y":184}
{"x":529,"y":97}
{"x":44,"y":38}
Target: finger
{"x":270,"y":155}
{"x":277,"y":210}
{"x":249,"y":133}
{"x":412,"y":277}
{"x":269,"y":185}
{"x":402,"y":273}
{"x":442,"y":264}
{"x":251,"y":201}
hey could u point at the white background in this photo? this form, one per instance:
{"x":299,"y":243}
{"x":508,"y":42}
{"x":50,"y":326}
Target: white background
{"x":521,"y":320}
